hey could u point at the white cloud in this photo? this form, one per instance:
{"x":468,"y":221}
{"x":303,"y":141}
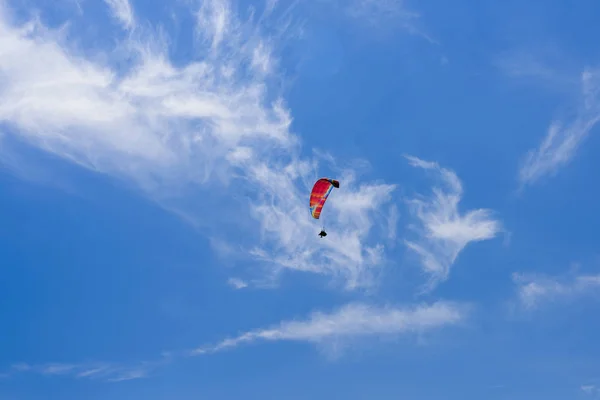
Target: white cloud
{"x":534,"y":290}
{"x":123,"y":12}
{"x":564,"y":138}
{"x":352,"y":321}
{"x":153,"y":119}
{"x":237,"y":283}
{"x":443,"y":230}
{"x":212,"y":132}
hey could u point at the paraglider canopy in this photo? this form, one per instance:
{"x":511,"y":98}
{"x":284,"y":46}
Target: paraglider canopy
{"x":319,"y":194}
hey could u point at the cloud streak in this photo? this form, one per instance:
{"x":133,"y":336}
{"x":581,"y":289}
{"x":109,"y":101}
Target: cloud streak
{"x":109,"y":372}
{"x":564,"y":137}
{"x":237,"y":283}
{"x":386,"y":14}
{"x":442,"y":229}
{"x":535,"y":290}
{"x":122,"y":12}
{"x":352,"y":321}
{"x":591,"y":390}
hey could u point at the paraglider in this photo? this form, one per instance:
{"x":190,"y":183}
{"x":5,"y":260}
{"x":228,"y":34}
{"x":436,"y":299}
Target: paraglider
{"x":318,"y":196}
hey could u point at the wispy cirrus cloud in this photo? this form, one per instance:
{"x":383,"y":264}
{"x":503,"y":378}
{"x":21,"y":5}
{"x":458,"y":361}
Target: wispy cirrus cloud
{"x":375,"y":10}
{"x":351,"y":322}
{"x":110,"y":372}
{"x":564,"y":137}
{"x":122,"y":12}
{"x":443,"y":230}
{"x":525,"y":65}
{"x":387,"y":14}
{"x":212,"y":131}
{"x":539,"y":64}
{"x":591,"y":390}
{"x":533,"y":290}
{"x":237,"y":283}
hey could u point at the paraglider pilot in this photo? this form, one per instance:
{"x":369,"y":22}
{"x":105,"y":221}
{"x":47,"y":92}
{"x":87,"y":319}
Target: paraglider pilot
{"x":322,"y":233}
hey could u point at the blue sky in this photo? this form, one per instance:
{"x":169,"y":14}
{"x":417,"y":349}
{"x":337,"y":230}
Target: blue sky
{"x":156,"y":162}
